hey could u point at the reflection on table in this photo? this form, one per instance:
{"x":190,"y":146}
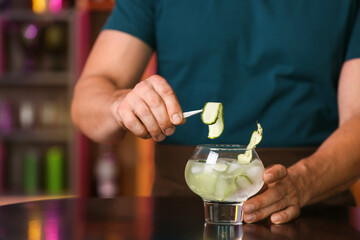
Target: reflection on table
{"x":161,"y":218}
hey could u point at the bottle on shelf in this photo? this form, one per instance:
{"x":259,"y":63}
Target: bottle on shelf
{"x":6,"y":118}
{"x":15,"y":176}
{"x":55,"y":46}
{"x":106,"y":174}
{"x":55,"y":161}
{"x":26,"y":114}
{"x":48,"y":114}
{"x":30,"y":40}
{"x":31,"y":171}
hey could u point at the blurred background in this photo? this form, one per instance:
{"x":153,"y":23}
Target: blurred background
{"x":43,"y":46}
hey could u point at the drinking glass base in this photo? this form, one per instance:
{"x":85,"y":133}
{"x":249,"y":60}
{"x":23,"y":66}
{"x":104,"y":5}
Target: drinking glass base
{"x":225,"y":213}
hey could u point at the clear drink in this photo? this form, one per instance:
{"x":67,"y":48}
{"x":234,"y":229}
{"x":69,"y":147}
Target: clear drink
{"x":232,"y":182}
{"x":215,"y":174}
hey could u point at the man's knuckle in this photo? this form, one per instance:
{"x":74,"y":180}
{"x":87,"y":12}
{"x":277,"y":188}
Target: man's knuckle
{"x":156,"y":78}
{"x":143,"y":111}
{"x":162,"y":86}
{"x":123,"y":114}
{"x":283,"y":170}
{"x":156,"y":132}
{"x":166,"y":91}
{"x":125,"y":106}
{"x":128,"y":119}
{"x":278,"y":167}
{"x":165,"y":125}
{"x":153,"y":129}
{"x":129,"y":123}
{"x":154,"y":101}
{"x":256,"y":202}
{"x":163,"y":120}
{"x":141,"y":86}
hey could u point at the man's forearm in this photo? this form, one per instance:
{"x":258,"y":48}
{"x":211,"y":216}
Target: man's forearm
{"x":91,"y":109}
{"x":333,"y":167}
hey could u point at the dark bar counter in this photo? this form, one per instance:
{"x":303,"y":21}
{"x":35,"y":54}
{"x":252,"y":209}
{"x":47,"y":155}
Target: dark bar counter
{"x":161,"y":218}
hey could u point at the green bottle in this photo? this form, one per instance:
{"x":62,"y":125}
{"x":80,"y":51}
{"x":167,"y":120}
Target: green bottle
{"x":54,"y":171}
{"x":31,"y":171}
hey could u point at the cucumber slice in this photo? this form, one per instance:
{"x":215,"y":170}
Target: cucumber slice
{"x":245,"y":157}
{"x":220,"y":167}
{"x":224,"y":189}
{"x":243,"y":181}
{"x":255,"y":139}
{"x":216,"y":129}
{"x":210,"y":112}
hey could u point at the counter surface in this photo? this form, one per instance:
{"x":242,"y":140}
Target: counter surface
{"x":161,"y":218}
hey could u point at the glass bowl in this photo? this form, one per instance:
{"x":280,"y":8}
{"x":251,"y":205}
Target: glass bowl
{"x":214,"y":173}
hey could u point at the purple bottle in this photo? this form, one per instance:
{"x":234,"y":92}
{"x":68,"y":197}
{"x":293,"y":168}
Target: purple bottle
{"x":6,"y":122}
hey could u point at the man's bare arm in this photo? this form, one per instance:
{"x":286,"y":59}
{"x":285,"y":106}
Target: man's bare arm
{"x":114,"y":65}
{"x":109,"y":99}
{"x":342,"y":149}
{"x":331,"y":169}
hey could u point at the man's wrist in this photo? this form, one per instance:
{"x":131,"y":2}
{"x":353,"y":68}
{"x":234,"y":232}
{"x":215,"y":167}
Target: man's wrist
{"x":118,"y":97}
{"x":302,"y":175}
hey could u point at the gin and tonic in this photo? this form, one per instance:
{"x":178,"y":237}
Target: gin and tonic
{"x":217,"y":175}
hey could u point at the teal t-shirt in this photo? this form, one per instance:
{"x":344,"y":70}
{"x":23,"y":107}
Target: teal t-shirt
{"x":276,"y":62}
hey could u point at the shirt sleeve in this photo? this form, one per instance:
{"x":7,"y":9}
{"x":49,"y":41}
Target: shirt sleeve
{"x":135,"y":17}
{"x":353,"y":49}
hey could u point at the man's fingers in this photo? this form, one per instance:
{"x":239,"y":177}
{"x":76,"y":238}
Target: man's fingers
{"x":283,"y":213}
{"x":162,"y":87}
{"x":265,"y":212}
{"x":132,"y":124}
{"x":154,"y":107}
{"x":274,"y":173}
{"x":143,"y":112}
{"x":158,"y":109}
{"x":267,"y":198}
{"x":286,"y":215}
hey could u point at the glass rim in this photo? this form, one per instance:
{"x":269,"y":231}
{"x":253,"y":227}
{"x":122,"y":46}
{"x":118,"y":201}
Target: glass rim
{"x":224,"y":147}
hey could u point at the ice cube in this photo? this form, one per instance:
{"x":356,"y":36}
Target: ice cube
{"x":212,"y":158}
{"x":243,"y":182}
{"x":226,"y":160}
{"x":196,"y":169}
{"x":255,"y":172}
{"x":235,"y":169}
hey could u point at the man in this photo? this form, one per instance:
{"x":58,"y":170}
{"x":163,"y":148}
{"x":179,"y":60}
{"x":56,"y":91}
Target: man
{"x":292,"y":65}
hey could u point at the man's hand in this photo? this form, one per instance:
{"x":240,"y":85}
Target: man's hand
{"x":149,"y":110}
{"x":281,"y":199}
